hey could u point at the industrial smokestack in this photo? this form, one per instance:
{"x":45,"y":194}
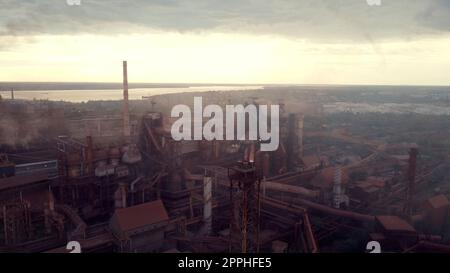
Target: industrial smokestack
{"x":295,"y":140}
{"x":411,"y":176}
{"x":337,"y":187}
{"x":252,"y":151}
{"x":12,"y":94}
{"x":207,"y":205}
{"x":300,"y":135}
{"x":126,"y":113}
{"x":90,"y":155}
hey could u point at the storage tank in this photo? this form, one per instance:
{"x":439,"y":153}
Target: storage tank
{"x":131,"y":154}
{"x":114,"y":156}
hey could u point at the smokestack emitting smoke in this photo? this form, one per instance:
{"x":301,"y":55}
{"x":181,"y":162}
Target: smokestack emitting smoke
{"x":126,"y":114}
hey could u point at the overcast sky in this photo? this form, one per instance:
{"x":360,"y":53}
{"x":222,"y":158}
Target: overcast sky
{"x":227,"y":41}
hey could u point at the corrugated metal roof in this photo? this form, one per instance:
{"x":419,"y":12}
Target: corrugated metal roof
{"x":395,"y":223}
{"x":141,"y":215}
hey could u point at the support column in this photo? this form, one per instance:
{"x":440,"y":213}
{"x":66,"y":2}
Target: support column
{"x":207,"y":206}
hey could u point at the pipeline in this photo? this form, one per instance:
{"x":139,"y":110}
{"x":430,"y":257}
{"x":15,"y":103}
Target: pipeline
{"x":310,"y":235}
{"x":434,"y":247}
{"x":267,"y":185}
{"x":135,"y":182}
{"x":80,"y":225}
{"x":298,"y":210}
{"x":336,"y":212}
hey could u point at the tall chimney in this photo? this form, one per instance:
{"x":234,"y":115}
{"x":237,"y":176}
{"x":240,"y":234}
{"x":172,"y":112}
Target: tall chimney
{"x":207,"y":205}
{"x":126,"y":113}
{"x":300,"y":135}
{"x":12,"y":94}
{"x":90,"y":154}
{"x":411,"y":176}
{"x":337,"y":187}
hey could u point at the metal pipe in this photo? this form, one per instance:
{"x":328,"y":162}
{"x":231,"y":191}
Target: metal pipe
{"x":310,"y":234}
{"x":207,"y":206}
{"x":298,"y":210}
{"x":134,"y":183}
{"x":329,"y":210}
{"x":267,"y":185}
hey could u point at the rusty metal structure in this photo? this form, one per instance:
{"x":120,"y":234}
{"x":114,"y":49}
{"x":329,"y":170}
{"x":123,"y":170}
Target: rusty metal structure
{"x":120,"y":183}
{"x":245,"y":207}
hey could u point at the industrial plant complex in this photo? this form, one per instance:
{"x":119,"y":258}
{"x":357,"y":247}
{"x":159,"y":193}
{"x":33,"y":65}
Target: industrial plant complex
{"x":109,"y":176}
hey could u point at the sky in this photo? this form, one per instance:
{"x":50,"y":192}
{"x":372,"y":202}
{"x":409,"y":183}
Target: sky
{"x":400,"y":42}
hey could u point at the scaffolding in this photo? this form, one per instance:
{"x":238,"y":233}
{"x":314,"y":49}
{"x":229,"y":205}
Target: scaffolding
{"x":245,"y":208}
{"x":16,"y":223}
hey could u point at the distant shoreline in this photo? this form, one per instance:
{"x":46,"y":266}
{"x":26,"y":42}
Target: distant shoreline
{"x":51,"y":86}
{"x":81,"y":86}
{"x":136,"y":93}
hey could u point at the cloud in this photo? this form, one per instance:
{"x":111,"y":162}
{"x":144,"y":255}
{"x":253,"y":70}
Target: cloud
{"x":325,"y":20}
{"x":436,"y":15}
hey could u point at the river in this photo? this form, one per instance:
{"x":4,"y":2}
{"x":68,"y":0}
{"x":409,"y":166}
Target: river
{"x":115,"y":94}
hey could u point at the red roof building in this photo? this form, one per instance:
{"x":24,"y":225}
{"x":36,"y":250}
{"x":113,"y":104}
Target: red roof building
{"x":140,"y":228}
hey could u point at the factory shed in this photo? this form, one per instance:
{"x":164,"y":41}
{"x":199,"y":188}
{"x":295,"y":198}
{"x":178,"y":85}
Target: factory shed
{"x":437,"y":212}
{"x":396,"y":234}
{"x":140,"y":228}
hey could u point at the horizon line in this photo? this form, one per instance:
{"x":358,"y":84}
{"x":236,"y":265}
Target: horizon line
{"x":222,"y":84}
